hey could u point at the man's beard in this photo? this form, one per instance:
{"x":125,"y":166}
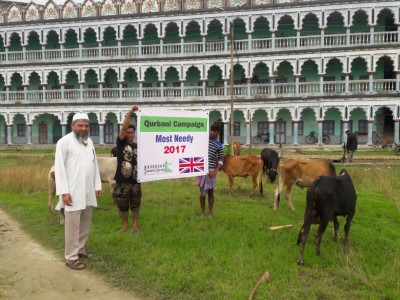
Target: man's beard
{"x":81,"y":137}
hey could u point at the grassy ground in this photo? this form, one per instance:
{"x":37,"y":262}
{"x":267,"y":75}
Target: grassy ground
{"x":181,"y":256}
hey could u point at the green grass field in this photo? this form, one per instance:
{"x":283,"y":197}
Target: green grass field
{"x":182,"y":256}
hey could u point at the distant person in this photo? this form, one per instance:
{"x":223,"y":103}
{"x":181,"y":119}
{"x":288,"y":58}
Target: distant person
{"x":351,"y":145}
{"x":78,"y":187}
{"x":127,"y":192}
{"x":215,"y":162}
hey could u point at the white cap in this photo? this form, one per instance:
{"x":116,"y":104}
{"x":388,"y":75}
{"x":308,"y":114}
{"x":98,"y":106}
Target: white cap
{"x":347,"y":130}
{"x":80,"y":116}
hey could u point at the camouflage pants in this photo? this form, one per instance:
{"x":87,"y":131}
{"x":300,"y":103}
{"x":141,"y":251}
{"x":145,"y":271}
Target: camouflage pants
{"x":128,"y":196}
{"x":349,"y":155}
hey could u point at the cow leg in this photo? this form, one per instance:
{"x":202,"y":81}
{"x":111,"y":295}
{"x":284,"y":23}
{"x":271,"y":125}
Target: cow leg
{"x":320,"y":232}
{"x":302,"y":238}
{"x":51,"y":207}
{"x":288,"y":196}
{"x":254,"y":180}
{"x":278,"y":191}
{"x":62,"y":217}
{"x":335,"y":229}
{"x":347,"y":226}
{"x":230,"y":184}
{"x":260,"y":182}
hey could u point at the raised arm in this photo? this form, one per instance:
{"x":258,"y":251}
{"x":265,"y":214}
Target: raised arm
{"x":126,"y":122}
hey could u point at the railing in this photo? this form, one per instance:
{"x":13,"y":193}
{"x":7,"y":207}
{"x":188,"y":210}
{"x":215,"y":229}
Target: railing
{"x":211,"y":47}
{"x":189,"y":93}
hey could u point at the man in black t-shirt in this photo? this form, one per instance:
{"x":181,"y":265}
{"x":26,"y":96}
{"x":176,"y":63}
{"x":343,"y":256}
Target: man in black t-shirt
{"x":127,"y":193}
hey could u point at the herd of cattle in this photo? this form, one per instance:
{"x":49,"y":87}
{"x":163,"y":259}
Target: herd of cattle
{"x":328,"y":195}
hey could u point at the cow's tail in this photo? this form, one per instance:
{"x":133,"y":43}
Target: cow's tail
{"x":332,"y":169}
{"x":279,"y":188}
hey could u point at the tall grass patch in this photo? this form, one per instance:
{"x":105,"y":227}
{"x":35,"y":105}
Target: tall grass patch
{"x":183,"y":256}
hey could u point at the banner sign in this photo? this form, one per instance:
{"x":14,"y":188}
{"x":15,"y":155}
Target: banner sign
{"x":171,"y":144}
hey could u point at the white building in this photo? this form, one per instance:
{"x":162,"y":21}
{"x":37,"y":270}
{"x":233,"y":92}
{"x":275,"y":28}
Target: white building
{"x":299,"y":66}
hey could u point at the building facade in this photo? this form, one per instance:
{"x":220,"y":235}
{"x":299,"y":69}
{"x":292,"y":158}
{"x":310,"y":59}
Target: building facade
{"x":298,"y":66}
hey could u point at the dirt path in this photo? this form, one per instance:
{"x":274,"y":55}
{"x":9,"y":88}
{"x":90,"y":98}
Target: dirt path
{"x":29,"y":271}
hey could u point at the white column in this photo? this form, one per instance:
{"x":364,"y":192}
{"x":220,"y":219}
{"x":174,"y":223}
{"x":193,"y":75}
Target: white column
{"x":370,"y":123}
{"x":101,"y":134}
{"x":396,"y":131}
{"x":248,"y":132}
{"x":320,"y":128}
{"x":295,"y":133}
{"x":63,"y":129}
{"x":272,"y":133}
{"x":29,"y":134}
{"x":226,"y":131}
{"x":9,"y":134}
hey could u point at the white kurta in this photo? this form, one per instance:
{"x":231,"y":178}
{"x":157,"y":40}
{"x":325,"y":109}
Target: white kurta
{"x":76,"y":173}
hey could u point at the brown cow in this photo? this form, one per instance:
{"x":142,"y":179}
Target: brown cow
{"x":300,"y":172}
{"x":237,"y":148}
{"x":243,"y":166}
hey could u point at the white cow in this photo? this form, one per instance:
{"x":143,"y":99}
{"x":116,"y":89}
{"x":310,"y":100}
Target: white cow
{"x":107,"y":167}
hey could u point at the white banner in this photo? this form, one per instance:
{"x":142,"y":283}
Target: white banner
{"x":171,"y":144}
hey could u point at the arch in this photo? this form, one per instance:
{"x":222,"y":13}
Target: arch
{"x":239,"y":29}
{"x":171,"y":76}
{"x":88,"y":9}
{"x":131,"y":78}
{"x":90,"y":38}
{"x":286,"y":27}
{"x":239,"y":74}
{"x":335,"y":23}
{"x":384,"y":68}
{"x":129,"y":36}
{"x":53,"y":81}
{"x":91,"y":78}
{"x":310,"y":25}
{"x":16,"y":82}
{"x":260,"y":73}
{"x":334,"y":68}
{"x":359,"y":68}
{"x":109,"y":37}
{"x":214,"y":76}
{"x":193,"y":76}
{"x":309,"y":71}
{"x":69,"y":10}
{"x":34,"y":81}
{"x":171,"y":33}
{"x":15,"y":42}
{"x":357,"y":114}
{"x":52,"y":40}
{"x":33,"y":41}
{"x":193,"y":32}
{"x":50,"y":11}
{"x":261,"y":28}
{"x":110,"y":79}
{"x":72,"y":80}
{"x":150,"y":35}
{"x":284,"y":72}
{"x":215,"y":31}
{"x":108,"y":8}
{"x":2,"y":48}
{"x":360,"y":22}
{"x":71,"y":39}
{"x":385,"y":21}
{"x":151,"y":77}
{"x":383,"y":119}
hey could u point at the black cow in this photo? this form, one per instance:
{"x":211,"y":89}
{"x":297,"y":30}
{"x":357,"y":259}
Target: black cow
{"x":114,"y":152}
{"x":271,"y":160}
{"x":327,"y":198}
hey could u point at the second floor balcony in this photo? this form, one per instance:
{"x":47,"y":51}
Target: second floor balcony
{"x":248,"y":91}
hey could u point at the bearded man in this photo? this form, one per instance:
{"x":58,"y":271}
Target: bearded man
{"x":78,"y":187}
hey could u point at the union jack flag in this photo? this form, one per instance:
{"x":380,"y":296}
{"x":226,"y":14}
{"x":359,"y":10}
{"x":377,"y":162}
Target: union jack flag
{"x":191,"y":165}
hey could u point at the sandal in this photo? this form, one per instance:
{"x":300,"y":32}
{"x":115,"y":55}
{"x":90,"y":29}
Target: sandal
{"x":85,"y":255}
{"x":75,"y":264}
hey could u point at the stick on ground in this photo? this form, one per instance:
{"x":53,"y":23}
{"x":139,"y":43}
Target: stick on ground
{"x":262,"y":280}
{"x":280,"y":227}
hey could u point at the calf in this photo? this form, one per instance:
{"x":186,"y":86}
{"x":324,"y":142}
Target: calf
{"x":237,"y":148}
{"x":300,"y":172}
{"x":243,"y":166}
{"x":271,"y":160}
{"x":327,"y":198}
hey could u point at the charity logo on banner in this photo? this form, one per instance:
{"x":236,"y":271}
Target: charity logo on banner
{"x":171,"y":144}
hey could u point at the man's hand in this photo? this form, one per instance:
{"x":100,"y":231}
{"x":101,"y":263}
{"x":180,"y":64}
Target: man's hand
{"x":67,"y":199}
{"x":98,"y":194}
{"x":134,"y":108}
